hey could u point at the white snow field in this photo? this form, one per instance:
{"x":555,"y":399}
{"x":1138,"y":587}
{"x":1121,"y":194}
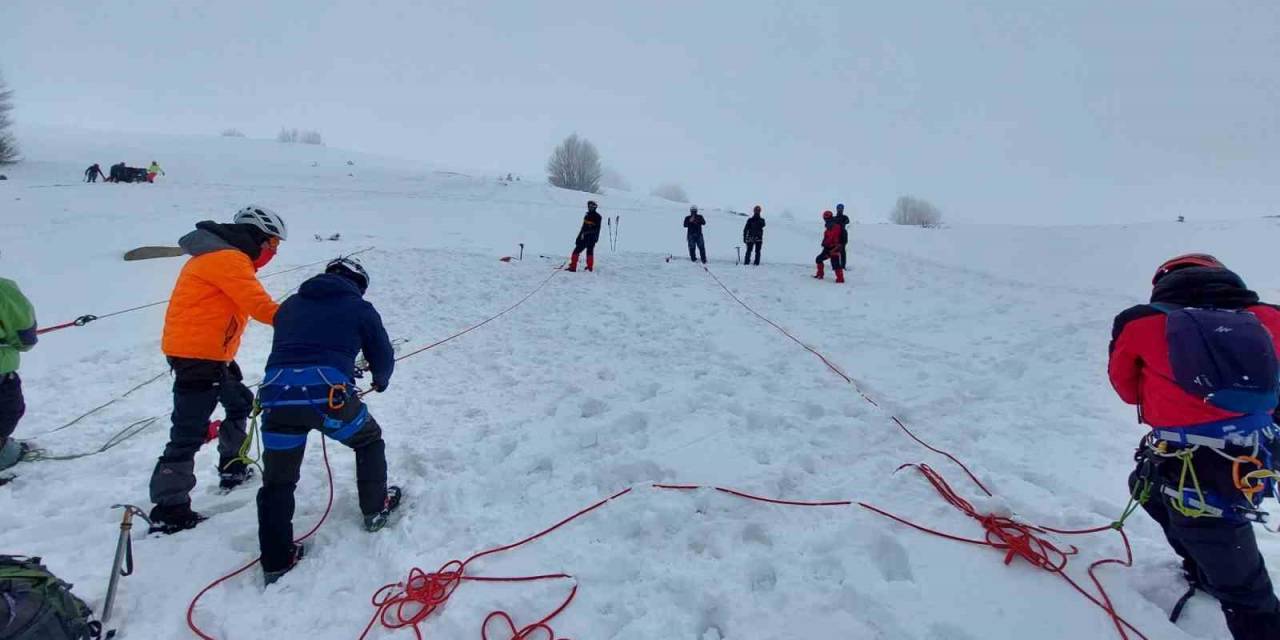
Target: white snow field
{"x":989,"y":341}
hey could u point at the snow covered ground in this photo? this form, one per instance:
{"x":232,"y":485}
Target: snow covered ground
{"x":990,"y":341}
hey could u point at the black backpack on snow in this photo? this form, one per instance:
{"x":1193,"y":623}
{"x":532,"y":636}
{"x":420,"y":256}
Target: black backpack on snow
{"x":36,"y":605}
{"x":1224,"y":356}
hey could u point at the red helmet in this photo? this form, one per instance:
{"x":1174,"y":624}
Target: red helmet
{"x":1186,"y":260}
{"x":827,"y":215}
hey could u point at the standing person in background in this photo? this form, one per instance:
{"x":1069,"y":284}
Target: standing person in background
{"x":587,"y":238}
{"x":830,"y":248}
{"x":93,"y":173}
{"x":693,"y":224}
{"x":153,"y":170}
{"x":216,"y":294}
{"x":17,"y":334}
{"x":753,"y":235}
{"x":843,"y":221}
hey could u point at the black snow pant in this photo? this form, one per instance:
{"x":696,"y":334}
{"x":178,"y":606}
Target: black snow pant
{"x":93,"y":177}
{"x":829,"y":254}
{"x":12,"y":406}
{"x":844,"y":255}
{"x":284,"y":435}
{"x":696,"y":243}
{"x":1223,"y":555}
{"x":589,"y":244}
{"x":198,"y":387}
{"x":756,"y":245}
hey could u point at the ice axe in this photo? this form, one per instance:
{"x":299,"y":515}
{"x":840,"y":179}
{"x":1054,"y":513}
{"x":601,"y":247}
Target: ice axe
{"x":521,"y":252}
{"x":123,"y":564}
{"x":738,"y":248}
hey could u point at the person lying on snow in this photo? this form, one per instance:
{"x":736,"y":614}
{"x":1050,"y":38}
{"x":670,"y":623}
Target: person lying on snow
{"x":310,"y":385}
{"x":216,"y":294}
{"x":1200,"y":363}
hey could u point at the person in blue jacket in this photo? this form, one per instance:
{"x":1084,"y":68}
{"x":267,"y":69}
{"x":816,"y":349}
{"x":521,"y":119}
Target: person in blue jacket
{"x":310,"y":385}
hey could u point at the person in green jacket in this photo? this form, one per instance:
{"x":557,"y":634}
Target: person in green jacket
{"x":154,"y":170}
{"x":17,"y":334}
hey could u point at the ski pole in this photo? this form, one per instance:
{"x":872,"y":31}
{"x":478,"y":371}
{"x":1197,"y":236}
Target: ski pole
{"x":124,"y":556}
{"x":739,"y":250}
{"x":617,"y":226}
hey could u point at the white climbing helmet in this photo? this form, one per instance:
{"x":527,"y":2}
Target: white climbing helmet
{"x":265,"y":219}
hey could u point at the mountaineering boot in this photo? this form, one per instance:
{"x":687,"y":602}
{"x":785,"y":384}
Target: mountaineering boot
{"x":12,"y":452}
{"x":269,"y":577}
{"x":376,"y":521}
{"x":839,"y":276}
{"x":233,"y":474}
{"x":591,"y":263}
{"x":169,"y":519}
{"x":573,"y":263}
{"x":1251,"y":625}
{"x":819,"y":274}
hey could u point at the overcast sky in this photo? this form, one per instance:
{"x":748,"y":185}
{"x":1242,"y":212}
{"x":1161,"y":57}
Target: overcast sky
{"x":999,"y":111}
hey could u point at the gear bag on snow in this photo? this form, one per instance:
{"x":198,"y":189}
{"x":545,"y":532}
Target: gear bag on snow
{"x":1224,"y":356}
{"x":36,"y":605}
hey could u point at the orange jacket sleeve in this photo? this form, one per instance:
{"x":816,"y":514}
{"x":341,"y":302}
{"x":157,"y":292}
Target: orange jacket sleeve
{"x":239,"y":281}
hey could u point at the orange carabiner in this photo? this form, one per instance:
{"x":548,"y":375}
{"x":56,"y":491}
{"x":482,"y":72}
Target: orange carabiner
{"x":338,"y":398}
{"x":1243,"y":483}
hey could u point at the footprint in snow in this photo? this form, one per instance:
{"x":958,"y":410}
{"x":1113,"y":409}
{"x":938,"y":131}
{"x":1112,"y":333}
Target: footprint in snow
{"x":890,"y":559}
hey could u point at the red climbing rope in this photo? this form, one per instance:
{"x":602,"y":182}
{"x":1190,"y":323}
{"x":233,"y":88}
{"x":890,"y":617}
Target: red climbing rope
{"x":1021,"y":540}
{"x":191,"y":608}
{"x":1017,"y":539}
{"x":831,"y":365}
{"x":411,"y":602}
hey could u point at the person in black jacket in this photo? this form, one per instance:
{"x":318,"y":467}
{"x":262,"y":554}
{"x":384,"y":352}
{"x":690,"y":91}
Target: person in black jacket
{"x":93,"y":173}
{"x":588,"y":235}
{"x":842,"y":221}
{"x":693,"y":224}
{"x":753,"y":235}
{"x":310,"y":385}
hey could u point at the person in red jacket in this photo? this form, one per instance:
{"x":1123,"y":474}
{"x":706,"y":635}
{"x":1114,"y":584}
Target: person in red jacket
{"x":1207,"y":520}
{"x":830,"y":249}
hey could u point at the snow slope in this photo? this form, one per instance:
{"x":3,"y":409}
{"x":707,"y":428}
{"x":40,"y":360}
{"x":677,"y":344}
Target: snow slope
{"x":989,"y":341}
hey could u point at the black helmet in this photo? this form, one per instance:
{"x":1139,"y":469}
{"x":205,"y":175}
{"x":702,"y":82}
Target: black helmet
{"x":591,"y":204}
{"x":351,"y":269}
{"x":693,"y":209}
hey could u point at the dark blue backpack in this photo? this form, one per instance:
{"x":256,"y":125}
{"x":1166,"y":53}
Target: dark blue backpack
{"x":1224,"y":356}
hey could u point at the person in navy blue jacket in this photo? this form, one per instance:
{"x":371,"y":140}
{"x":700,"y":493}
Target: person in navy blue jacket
{"x":310,"y":385}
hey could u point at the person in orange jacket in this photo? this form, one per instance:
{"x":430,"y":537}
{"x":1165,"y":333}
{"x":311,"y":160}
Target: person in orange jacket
{"x":830,"y":249}
{"x":216,"y":294}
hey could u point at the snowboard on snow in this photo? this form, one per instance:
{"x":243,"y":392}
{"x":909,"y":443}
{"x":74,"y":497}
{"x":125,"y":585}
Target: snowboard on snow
{"x":147,"y":253}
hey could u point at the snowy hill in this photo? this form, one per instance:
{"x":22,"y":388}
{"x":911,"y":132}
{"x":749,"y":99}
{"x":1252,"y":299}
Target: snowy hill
{"x":988,"y":341}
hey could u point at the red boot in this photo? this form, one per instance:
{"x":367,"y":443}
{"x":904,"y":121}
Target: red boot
{"x":839,"y":276}
{"x":591,"y":263}
{"x":821,"y":270}
{"x":573,"y":263}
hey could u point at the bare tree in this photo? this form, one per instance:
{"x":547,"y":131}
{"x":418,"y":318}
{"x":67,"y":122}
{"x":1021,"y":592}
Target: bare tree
{"x":670,"y":191}
{"x":575,"y":164}
{"x":311,"y":137}
{"x":915,"y":212}
{"x":8,"y":145}
{"x":287,"y":136}
{"x":232,"y":133}
{"x":614,"y":180}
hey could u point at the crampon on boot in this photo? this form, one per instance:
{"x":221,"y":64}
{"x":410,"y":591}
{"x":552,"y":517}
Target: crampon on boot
{"x":233,"y":474}
{"x":573,"y":263}
{"x":821,"y":271}
{"x":170,"y":519}
{"x":839,"y":276}
{"x":269,"y":577}
{"x":376,"y":521}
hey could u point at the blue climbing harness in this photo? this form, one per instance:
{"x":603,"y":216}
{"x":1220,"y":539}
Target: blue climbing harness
{"x":313,"y":387}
